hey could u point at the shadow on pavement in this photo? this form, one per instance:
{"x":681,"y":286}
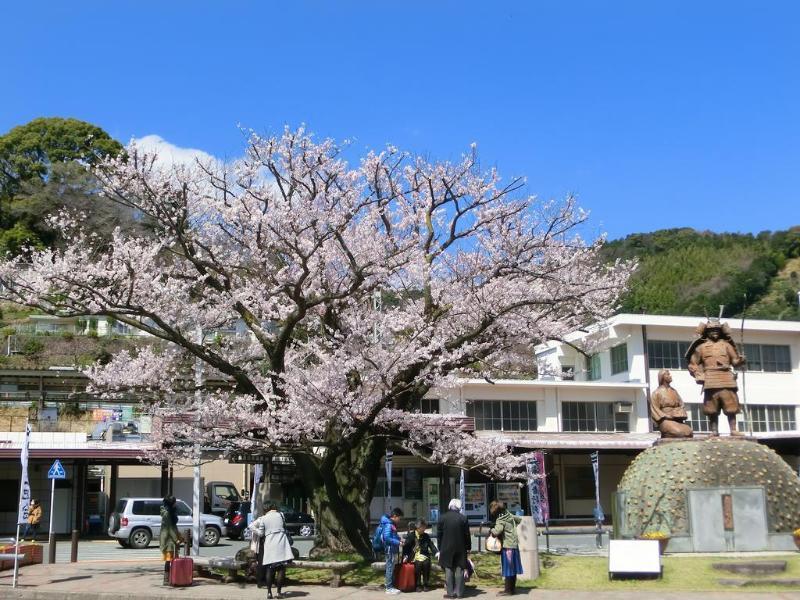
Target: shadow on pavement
{"x":77,"y":577}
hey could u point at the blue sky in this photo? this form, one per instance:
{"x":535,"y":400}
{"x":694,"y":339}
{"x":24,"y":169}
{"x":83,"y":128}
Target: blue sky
{"x":656,"y":114}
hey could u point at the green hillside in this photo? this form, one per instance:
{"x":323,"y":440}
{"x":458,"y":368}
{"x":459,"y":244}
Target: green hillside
{"x":689,"y":272}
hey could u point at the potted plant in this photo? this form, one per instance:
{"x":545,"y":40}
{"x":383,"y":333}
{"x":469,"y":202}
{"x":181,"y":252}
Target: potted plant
{"x":796,"y":536}
{"x":662,"y":537}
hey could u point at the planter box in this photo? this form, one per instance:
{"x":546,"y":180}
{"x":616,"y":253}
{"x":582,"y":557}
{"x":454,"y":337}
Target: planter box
{"x":33,"y":555}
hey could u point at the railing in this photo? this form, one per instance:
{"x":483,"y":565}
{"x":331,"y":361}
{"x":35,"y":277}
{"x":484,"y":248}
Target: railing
{"x":597,"y":530}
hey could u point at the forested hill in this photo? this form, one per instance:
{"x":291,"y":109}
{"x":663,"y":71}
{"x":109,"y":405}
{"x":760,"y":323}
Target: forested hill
{"x":688,"y":272}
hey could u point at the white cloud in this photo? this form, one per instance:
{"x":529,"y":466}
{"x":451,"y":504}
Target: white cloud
{"x":170,"y":154}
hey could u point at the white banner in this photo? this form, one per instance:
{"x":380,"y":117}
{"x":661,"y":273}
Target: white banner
{"x":388,"y":464}
{"x":462,"y":492}
{"x":24,"y":484}
{"x":598,"y":509}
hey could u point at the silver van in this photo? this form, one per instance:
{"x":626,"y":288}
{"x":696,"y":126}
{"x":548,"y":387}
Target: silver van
{"x":136,"y":521}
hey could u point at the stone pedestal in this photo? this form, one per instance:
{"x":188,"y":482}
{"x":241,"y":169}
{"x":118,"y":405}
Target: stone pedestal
{"x":528,"y":548}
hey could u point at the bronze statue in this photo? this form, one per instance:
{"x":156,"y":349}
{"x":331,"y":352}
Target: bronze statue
{"x":667,"y":410}
{"x":711,"y":357}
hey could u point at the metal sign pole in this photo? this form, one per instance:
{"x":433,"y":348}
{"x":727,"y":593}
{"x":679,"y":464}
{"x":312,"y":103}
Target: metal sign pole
{"x":52,"y":507}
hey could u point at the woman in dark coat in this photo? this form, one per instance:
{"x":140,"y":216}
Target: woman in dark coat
{"x":419,"y":550}
{"x":455,"y":543}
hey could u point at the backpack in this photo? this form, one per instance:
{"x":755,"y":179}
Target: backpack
{"x":378,"y":545}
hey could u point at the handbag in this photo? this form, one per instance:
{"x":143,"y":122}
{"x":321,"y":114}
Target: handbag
{"x":493,"y":543}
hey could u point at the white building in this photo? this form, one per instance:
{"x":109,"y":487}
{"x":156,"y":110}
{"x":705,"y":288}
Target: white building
{"x":599,"y":402}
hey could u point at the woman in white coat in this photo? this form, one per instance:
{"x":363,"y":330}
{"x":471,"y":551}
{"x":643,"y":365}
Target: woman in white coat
{"x":277,"y":549}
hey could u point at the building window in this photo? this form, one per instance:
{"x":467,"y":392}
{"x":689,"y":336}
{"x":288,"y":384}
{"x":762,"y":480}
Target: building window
{"x":503,"y":415}
{"x":428,"y":406}
{"x":666,"y":355}
{"x":772,"y":417}
{"x":593,"y":416}
{"x":697,"y":420}
{"x":619,"y":359}
{"x":594,"y":367}
{"x":567,"y":372}
{"x":768,"y":358}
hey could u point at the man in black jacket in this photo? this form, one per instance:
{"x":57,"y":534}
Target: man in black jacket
{"x":455,"y":543}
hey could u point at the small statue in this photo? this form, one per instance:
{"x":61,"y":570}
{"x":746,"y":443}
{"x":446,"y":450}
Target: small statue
{"x":667,"y":410}
{"x":711,"y":357}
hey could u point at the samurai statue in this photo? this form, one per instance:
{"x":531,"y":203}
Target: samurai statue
{"x":711,"y":357}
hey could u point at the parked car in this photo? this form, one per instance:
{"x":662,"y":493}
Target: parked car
{"x":136,"y":521}
{"x":297,"y":523}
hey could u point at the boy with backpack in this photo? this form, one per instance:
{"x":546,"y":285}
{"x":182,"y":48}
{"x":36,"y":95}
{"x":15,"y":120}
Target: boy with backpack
{"x":387,"y":540}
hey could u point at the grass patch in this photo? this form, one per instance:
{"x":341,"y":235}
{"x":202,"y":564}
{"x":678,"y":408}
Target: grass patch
{"x":487,"y":572}
{"x":681,"y":574}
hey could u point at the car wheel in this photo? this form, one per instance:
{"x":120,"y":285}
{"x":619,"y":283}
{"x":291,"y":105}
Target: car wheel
{"x":210,"y":536}
{"x":306,"y":530}
{"x":140,"y":538}
{"x":124,"y":543}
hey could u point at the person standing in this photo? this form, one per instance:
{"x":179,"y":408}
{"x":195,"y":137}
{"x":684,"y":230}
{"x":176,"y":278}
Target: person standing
{"x":277,"y":551}
{"x":505,"y":527}
{"x":391,"y":544}
{"x":169,"y":538}
{"x":455,"y":542}
{"x":712,"y":356}
{"x":419,"y":550}
{"x":34,"y":518}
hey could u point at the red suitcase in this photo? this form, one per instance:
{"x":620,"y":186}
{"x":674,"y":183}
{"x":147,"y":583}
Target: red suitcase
{"x":181,"y":572}
{"x":405,"y":581}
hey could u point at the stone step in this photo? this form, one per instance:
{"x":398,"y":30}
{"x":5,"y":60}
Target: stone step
{"x":763,"y":581}
{"x":755,"y":567}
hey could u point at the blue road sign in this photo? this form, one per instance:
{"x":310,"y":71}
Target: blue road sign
{"x":57,"y":471}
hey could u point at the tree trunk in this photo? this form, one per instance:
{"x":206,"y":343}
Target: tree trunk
{"x":340,"y":486}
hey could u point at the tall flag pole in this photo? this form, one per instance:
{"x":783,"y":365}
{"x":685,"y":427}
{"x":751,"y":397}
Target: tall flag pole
{"x":24,"y":496}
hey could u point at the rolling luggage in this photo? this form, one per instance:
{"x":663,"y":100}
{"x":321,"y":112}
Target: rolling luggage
{"x":181,"y":572}
{"x":405,"y":581}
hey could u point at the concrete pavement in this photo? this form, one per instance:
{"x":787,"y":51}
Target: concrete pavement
{"x":141,"y":579}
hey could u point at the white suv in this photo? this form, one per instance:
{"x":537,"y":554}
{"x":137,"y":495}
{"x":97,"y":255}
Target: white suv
{"x":136,"y":521}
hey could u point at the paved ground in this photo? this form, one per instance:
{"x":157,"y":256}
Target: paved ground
{"x":139,"y":580}
{"x":109,"y":549}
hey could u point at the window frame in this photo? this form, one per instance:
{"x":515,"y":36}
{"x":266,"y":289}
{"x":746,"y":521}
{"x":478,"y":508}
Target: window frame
{"x":619,"y":358}
{"x":699,"y":424}
{"x":594,"y":369}
{"x":621,"y":421}
{"x":766,"y":418}
{"x":666,"y":354}
{"x":756,"y":361}
{"x":502,"y":413}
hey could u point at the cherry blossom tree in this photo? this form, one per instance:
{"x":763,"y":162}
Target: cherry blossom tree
{"x":360,"y":289}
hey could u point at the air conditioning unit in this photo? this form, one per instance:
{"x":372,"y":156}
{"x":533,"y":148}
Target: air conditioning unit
{"x":623,"y":407}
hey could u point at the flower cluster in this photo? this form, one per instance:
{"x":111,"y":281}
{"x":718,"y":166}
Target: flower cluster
{"x":354,"y":291}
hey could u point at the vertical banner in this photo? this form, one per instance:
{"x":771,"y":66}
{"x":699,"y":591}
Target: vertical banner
{"x":24,"y":484}
{"x":462,"y":492}
{"x":598,"y":510}
{"x":388,"y":464}
{"x":255,"y":493}
{"x":537,"y":489}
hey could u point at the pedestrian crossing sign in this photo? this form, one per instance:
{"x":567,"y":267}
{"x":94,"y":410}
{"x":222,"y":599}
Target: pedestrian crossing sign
{"x":57,"y":471}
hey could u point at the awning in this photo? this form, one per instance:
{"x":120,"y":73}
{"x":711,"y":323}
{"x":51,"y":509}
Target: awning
{"x":582,"y":441}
